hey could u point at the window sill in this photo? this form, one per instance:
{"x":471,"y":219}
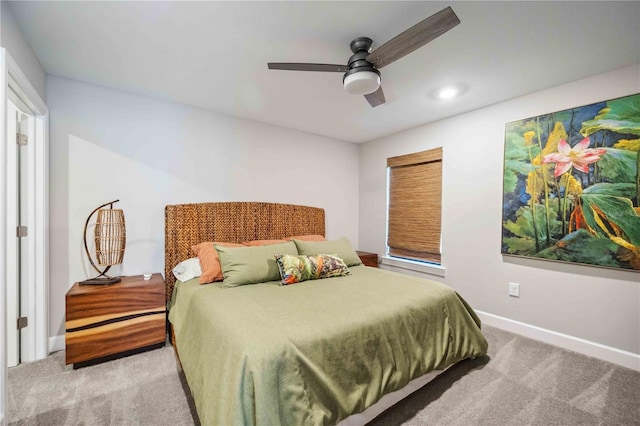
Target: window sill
{"x":413,"y":265}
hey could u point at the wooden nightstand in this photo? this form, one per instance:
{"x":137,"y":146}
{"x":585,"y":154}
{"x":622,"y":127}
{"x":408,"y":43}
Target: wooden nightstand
{"x":369,"y":259}
{"x":105,"y":322}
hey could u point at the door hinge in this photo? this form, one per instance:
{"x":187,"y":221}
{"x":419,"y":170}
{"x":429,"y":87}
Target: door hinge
{"x":21,"y":139}
{"x":21,"y":231}
{"x":22,"y":322}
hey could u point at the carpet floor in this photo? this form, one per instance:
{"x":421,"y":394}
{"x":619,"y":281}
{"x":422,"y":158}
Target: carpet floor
{"x":519,"y":382}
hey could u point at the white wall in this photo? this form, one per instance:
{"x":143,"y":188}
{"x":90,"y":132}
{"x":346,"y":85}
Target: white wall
{"x":599,"y":305}
{"x":12,"y":39}
{"x":108,"y":145}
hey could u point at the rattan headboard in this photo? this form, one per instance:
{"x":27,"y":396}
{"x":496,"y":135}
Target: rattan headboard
{"x":190,"y":224}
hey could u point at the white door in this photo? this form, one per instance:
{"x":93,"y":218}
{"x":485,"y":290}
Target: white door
{"x":20,"y":126}
{"x":13,"y":310}
{"x":26,"y":131}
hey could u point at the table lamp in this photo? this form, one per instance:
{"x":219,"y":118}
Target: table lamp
{"x":110,"y":241}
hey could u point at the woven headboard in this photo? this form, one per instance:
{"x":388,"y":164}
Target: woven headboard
{"x":190,"y":224}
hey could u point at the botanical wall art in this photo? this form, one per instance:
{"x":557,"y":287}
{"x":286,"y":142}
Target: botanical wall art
{"x":572,"y":185}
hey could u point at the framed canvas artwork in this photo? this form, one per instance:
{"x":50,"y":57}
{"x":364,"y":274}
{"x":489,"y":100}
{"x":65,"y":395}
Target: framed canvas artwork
{"x":571,"y":186}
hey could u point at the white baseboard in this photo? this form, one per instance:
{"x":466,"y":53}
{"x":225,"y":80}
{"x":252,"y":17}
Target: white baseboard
{"x":56,"y":343}
{"x":576,"y":344}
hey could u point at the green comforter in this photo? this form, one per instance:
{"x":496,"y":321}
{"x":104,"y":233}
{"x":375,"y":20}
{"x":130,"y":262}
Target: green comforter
{"x":315,"y":352}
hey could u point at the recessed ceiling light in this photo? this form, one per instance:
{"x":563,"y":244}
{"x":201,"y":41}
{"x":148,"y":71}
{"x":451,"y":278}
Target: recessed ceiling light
{"x":447,"y":92}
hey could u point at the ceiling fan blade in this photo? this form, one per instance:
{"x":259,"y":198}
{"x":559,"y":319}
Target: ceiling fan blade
{"x":414,"y":38}
{"x":291,"y":66}
{"x":376,"y":98}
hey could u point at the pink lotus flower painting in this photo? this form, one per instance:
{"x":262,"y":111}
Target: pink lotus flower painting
{"x":580,"y":156}
{"x":571,"y":188}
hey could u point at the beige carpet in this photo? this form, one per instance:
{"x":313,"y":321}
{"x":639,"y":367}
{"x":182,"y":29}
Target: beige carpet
{"x":521,"y":382}
{"x":143,"y":389}
{"x":524,"y":383}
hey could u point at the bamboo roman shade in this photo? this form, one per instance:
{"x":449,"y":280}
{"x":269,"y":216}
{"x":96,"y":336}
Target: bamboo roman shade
{"x":415,"y":204}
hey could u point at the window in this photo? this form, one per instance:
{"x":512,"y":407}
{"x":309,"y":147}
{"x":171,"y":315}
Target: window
{"x":414,"y":205}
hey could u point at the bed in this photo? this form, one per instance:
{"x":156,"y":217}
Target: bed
{"x":317,"y":352}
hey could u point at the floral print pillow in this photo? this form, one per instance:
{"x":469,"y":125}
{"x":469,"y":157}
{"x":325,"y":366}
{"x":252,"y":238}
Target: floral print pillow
{"x":294,"y":269}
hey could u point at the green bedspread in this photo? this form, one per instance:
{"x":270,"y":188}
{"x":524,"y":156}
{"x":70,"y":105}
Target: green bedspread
{"x":317,"y":351}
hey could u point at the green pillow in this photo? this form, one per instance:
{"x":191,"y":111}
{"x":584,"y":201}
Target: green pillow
{"x":250,"y":265}
{"x":341,"y":248}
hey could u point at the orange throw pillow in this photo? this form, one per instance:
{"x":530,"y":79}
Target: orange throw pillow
{"x":209,"y":260}
{"x":307,"y":238}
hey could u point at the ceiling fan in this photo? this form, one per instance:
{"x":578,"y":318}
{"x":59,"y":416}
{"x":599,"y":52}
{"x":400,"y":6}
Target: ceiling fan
{"x":361,"y":75}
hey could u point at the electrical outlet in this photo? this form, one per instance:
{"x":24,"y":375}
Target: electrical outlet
{"x":514,"y":289}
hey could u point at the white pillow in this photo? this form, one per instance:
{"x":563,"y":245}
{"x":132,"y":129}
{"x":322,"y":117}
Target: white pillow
{"x":187,"y":269}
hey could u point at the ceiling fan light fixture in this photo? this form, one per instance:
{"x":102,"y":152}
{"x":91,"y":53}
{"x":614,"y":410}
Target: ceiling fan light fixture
{"x":361,"y":75}
{"x":362,"y":82}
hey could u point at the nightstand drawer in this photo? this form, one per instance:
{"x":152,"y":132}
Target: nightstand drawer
{"x":103,"y":321}
{"x":110,"y":338}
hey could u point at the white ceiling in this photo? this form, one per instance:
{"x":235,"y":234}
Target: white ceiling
{"x":214,"y":55}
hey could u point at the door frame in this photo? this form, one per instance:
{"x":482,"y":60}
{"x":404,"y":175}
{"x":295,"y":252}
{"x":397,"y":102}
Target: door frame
{"x":35,"y":336}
